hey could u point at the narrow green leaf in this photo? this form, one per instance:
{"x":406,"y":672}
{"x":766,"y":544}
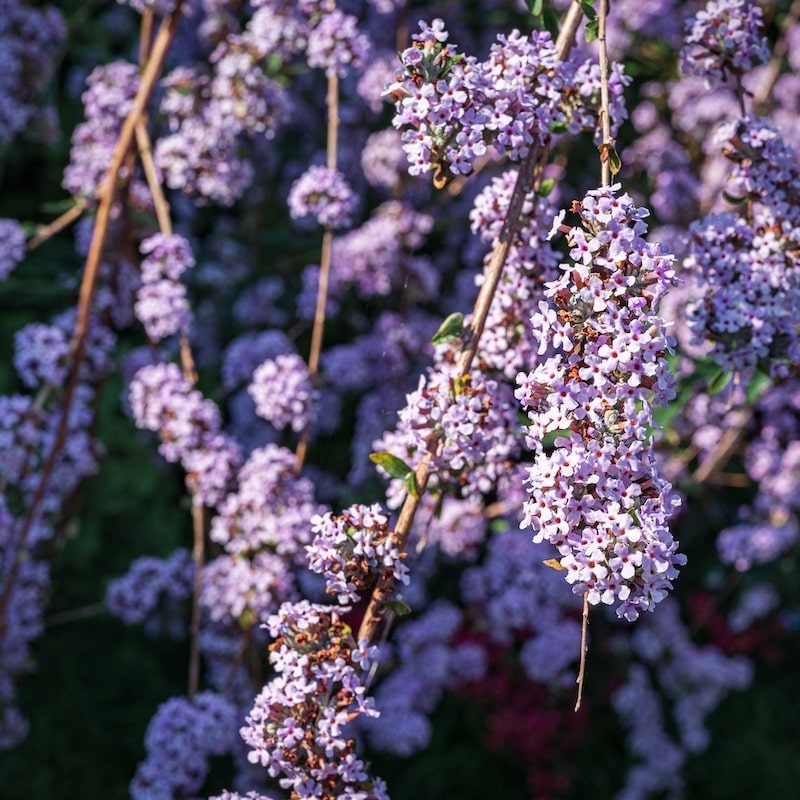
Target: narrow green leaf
{"x":614,"y":161}
{"x":450,"y":330}
{"x":395,"y":466}
{"x":719,"y":382}
{"x":587,"y":6}
{"x":547,"y":186}
{"x":734,"y":201}
{"x":411,"y":485}
{"x":398,"y":607}
{"x":759,"y":382}
{"x":592,"y":30}
{"x":535,"y":7}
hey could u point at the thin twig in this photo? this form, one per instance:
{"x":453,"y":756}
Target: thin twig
{"x":719,"y":455}
{"x":605,"y":104}
{"x":318,"y":330}
{"x":584,"y":629}
{"x":107,"y":195}
{"x":527,"y":179}
{"x":198,"y":558}
{"x":45,"y":232}
{"x":160,"y":203}
{"x":75,"y":614}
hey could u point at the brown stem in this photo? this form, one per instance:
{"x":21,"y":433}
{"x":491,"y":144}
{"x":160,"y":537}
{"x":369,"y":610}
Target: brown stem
{"x":318,"y":330}
{"x":107,"y":195}
{"x":198,"y":557}
{"x":160,"y":203}
{"x":528,"y":179}
{"x":605,"y":103}
{"x":584,"y":628}
{"x":45,"y":232}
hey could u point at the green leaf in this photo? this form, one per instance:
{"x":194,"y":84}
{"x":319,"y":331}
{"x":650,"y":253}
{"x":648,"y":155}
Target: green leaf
{"x":398,"y":607}
{"x":734,"y":201}
{"x":547,"y":186}
{"x":450,"y":330}
{"x":614,"y":161}
{"x":411,"y":485}
{"x":756,"y":387}
{"x":558,"y":127}
{"x":587,"y":6}
{"x":535,"y":7}
{"x":592,"y":30}
{"x":719,"y":382}
{"x":395,"y":466}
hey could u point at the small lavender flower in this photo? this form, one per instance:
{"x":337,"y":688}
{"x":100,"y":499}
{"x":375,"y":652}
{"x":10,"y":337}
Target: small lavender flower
{"x":323,"y":194}
{"x":336,"y":45}
{"x":282,"y":391}
{"x":12,"y":246}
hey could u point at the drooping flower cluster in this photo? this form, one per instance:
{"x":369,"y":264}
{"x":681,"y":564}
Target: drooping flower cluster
{"x":12,"y":246}
{"x":747,"y":263}
{"x":107,"y":101}
{"x":272,"y":507}
{"x":595,"y":493}
{"x":298,"y":727}
{"x":151,"y":583}
{"x":355,"y":550}
{"x":164,"y":401}
{"x":322,"y":194}
{"x":724,"y":38}
{"x":29,"y":39}
{"x":180,"y":739}
{"x":161,"y":303}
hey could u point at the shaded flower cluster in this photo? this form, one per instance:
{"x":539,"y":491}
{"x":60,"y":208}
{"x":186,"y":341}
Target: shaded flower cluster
{"x":746,"y":262}
{"x":12,"y":246}
{"x":724,"y":38}
{"x":282,"y":391}
{"x":595,"y":493}
{"x":179,"y":740}
{"x":298,"y":727}
{"x":324,"y":195}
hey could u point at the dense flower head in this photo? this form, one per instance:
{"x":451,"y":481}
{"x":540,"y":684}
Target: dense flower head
{"x":161,"y":303}
{"x":241,"y":589}
{"x":323,"y":194}
{"x":298,"y":727}
{"x":355,"y":550}
{"x":595,"y":493}
{"x":271,"y":509}
{"x":336,"y":45}
{"x":724,"y":38}
{"x":282,"y":391}
{"x":451,"y":106}
{"x":12,"y":246}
